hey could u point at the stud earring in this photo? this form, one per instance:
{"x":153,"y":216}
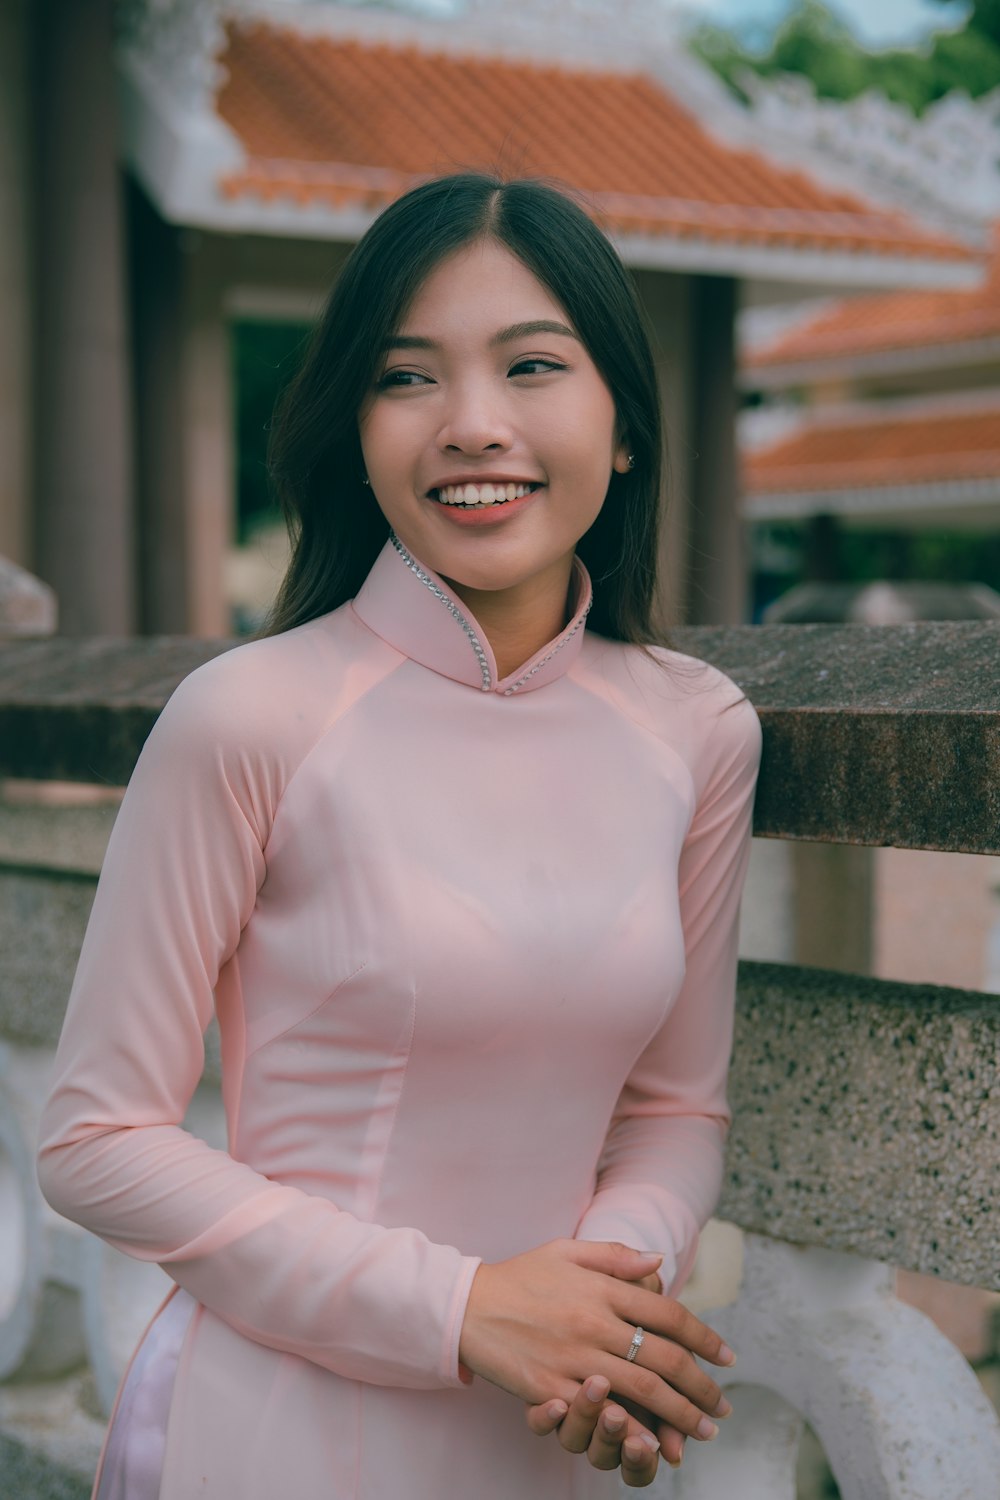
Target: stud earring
{"x":631,"y":461}
{"x":366,"y":480}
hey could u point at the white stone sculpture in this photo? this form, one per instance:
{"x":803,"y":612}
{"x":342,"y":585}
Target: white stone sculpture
{"x":821,"y":1336}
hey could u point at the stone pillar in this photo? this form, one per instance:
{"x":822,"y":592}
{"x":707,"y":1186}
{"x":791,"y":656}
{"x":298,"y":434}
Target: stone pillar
{"x":666,"y":298}
{"x":717,"y":560}
{"x":210,"y":437}
{"x":15,"y":285}
{"x":84,"y":535}
{"x":157,"y":310}
{"x":832,"y":899}
{"x":184,"y":423}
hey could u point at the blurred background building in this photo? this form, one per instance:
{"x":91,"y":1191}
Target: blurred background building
{"x":183,"y":181}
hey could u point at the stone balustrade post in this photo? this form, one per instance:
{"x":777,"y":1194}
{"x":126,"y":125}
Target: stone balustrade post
{"x":820,"y":1335}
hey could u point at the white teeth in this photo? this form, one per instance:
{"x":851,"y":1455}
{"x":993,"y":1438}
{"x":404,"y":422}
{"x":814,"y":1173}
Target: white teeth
{"x":481,"y":494}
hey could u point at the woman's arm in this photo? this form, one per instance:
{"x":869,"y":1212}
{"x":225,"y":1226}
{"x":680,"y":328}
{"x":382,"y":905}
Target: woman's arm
{"x":659,"y":1174}
{"x":660,"y":1171}
{"x":179,"y":882}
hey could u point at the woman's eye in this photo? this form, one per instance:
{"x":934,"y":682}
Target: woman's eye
{"x":535,"y":366}
{"x":399,"y":380}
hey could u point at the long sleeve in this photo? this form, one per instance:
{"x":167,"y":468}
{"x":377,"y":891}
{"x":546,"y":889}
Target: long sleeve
{"x":183,"y":869}
{"x":659,"y":1176}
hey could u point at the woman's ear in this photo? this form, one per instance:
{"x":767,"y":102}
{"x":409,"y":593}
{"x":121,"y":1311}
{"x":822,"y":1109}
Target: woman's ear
{"x":623,"y":461}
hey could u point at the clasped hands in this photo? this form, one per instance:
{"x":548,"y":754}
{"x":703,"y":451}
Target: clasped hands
{"x":553,"y":1326}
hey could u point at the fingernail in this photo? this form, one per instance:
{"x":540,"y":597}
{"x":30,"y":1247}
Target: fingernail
{"x":726,"y":1355}
{"x":706,"y":1429}
{"x":597,"y":1388}
{"x":556,"y":1411}
{"x":649,"y":1442}
{"x":634,"y":1450}
{"x":614,"y":1421}
{"x":675,"y":1463}
{"x":723,"y":1409}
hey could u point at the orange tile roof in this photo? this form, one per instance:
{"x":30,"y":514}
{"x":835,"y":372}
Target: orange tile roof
{"x":920,"y":446}
{"x":353,"y":124}
{"x":884,"y":321}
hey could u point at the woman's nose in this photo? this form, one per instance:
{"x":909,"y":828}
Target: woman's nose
{"x":475,"y":422}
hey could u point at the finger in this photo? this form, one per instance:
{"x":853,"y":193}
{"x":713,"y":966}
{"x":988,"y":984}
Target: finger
{"x":640,"y":1456}
{"x":672,"y":1444}
{"x":680,"y":1370}
{"x":577,"y":1428}
{"x":611,"y":1431}
{"x":613,"y":1258}
{"x":632,"y":1382}
{"x":670,"y":1319}
{"x":544,"y":1419}
{"x":671,"y":1441}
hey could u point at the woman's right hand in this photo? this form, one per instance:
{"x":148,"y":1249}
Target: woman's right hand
{"x":543,"y":1322}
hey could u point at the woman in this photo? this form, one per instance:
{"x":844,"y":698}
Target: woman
{"x":464,"y":879}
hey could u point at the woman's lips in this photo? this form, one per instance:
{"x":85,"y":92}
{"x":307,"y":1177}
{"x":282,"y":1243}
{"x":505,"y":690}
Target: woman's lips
{"x":489,"y":514}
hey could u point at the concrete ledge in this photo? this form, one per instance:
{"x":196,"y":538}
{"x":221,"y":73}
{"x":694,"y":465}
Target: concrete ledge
{"x":866,"y":1119}
{"x":873,"y":734}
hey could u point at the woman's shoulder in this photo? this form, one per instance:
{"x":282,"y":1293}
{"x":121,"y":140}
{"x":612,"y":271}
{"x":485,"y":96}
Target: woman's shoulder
{"x":676,"y":695}
{"x":271,"y":696}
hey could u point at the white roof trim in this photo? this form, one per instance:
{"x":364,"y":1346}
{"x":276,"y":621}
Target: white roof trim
{"x":923,"y":406}
{"x":862,"y":269}
{"x":882,"y":502}
{"x":900,"y":361}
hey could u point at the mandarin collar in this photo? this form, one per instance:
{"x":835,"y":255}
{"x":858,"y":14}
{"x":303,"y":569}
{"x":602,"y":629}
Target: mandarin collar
{"x":409,"y":606}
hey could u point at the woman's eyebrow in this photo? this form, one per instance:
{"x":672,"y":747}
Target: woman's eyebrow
{"x":502,"y":336}
{"x":525,"y":330}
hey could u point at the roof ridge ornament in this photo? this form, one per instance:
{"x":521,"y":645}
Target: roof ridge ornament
{"x":178,"y":42}
{"x":937,"y":165}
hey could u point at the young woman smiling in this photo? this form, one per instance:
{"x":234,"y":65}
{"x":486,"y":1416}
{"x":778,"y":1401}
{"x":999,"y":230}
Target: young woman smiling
{"x":459,"y":854}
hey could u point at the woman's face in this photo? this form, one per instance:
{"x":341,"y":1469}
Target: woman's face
{"x":487,"y":394}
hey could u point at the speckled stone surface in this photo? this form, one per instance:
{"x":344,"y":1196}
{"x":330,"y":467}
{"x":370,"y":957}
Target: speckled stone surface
{"x":42,"y":921}
{"x":26,"y":1475}
{"x":867,"y":1119}
{"x":872,"y":734}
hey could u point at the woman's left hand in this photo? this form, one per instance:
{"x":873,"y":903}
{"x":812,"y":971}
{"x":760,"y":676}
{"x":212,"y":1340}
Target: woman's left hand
{"x":609,"y":1433}
{"x":603,"y":1429}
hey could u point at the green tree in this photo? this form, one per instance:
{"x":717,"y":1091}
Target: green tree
{"x":984,"y":17}
{"x":816,"y":43}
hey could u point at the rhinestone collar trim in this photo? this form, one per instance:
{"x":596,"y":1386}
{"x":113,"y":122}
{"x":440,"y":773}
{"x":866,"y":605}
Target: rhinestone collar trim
{"x":452,"y":608}
{"x":546,"y":659}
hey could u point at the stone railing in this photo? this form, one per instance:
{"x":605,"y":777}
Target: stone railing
{"x":866,"y":1117}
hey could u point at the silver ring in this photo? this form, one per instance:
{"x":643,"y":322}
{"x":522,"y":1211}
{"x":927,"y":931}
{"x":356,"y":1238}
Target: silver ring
{"x":638,"y":1339}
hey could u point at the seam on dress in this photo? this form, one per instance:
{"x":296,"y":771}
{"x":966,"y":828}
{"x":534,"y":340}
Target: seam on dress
{"x":252,"y":1051}
{"x":621,"y":712}
{"x":376,"y":1188}
{"x":327,"y":730}
{"x":233,"y":1131}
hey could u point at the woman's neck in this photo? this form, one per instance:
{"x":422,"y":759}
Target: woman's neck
{"x":519,"y":621}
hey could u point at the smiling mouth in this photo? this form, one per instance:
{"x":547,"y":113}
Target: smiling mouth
{"x":477,"y":496}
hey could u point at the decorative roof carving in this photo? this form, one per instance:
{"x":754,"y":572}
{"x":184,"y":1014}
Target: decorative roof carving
{"x":177,"y":43}
{"x":941,"y":164}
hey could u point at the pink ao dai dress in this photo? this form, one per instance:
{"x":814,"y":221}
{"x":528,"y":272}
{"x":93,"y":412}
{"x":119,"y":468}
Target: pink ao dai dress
{"x":471,"y":942}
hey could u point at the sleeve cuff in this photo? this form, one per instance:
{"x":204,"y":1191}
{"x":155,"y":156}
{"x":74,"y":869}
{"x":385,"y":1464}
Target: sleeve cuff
{"x":453,"y":1372}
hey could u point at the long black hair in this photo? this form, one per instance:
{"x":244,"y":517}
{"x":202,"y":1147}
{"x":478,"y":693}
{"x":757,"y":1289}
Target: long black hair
{"x":314,"y":455}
